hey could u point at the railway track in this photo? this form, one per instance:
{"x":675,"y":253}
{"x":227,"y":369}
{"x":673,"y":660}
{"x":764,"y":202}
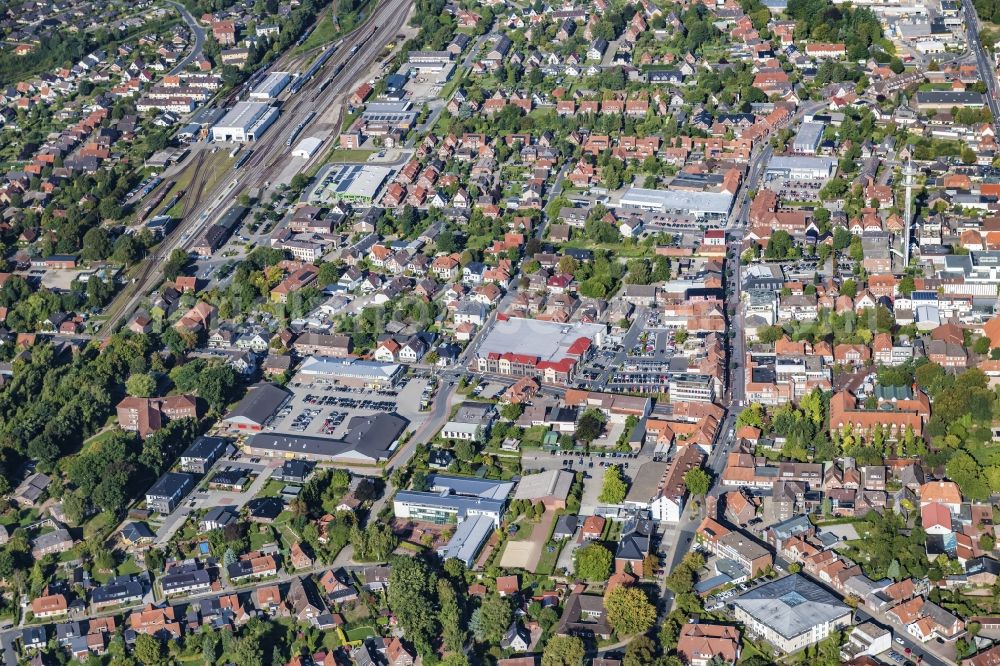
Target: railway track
{"x":200,"y":181}
{"x":270,"y":152}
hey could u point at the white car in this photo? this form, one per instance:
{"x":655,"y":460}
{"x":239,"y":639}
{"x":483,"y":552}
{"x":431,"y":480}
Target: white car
{"x":899,"y":640}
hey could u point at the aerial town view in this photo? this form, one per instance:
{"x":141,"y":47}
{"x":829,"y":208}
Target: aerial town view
{"x":500,"y":332}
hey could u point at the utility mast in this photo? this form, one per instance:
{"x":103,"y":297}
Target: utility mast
{"x":908,"y":222}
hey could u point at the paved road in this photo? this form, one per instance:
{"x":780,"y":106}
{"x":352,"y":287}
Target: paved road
{"x":196,"y":30}
{"x":928,"y":656}
{"x":440,"y":412}
{"x":983,"y":60}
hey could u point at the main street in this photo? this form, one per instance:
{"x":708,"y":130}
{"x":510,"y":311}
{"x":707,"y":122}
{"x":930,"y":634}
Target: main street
{"x":271,"y":156}
{"x":984,"y":61}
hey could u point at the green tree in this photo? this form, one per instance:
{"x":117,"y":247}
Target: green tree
{"x":495,"y":616}
{"x":697,"y":481}
{"x":590,"y":426}
{"x":450,"y":616}
{"x":375,"y":542}
{"x":511,"y":411}
{"x":641,"y":651}
{"x":592,"y":562}
{"x":966,"y":472}
{"x":629,"y":610}
{"x":96,"y":245}
{"x":412,"y":590}
{"x":614,"y":489}
{"x":148,"y":649}
{"x":563,"y":651}
{"x":141,"y":385}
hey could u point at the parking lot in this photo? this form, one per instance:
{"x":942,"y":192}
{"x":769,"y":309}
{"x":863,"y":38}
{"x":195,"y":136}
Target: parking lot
{"x":322,"y":409}
{"x":721,"y":598}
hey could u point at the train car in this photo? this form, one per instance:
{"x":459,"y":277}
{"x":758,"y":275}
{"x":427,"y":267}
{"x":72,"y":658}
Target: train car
{"x":243,"y":160}
{"x":154,"y":202}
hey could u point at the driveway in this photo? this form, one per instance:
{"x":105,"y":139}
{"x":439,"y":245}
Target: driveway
{"x":591,"y":490}
{"x":206,"y":499}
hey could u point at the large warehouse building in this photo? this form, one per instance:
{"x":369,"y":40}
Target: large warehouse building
{"x":271,"y":87}
{"x":352,"y":372}
{"x":700,"y":205}
{"x":246,"y":121}
{"x":354,"y":183}
{"x":369,"y":439}
{"x":547,"y":350}
{"x":800,"y":167}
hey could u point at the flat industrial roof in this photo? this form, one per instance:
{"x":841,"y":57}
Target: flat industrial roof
{"x":244,"y":115}
{"x":646,"y":482}
{"x":351,"y":180}
{"x":468,"y":539}
{"x":549,"y":341}
{"x":260,"y":403}
{"x":272,"y":85}
{"x":469,"y":486}
{"x":461,"y":504}
{"x":367,"y":437}
{"x":308,"y":145}
{"x":349,"y":367}
{"x":800,"y":162}
{"x":671,"y":200}
{"x":552,"y":483}
{"x":809,"y":133}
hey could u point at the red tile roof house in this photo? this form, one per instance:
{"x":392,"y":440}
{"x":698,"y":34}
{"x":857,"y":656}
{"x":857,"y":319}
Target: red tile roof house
{"x":49,"y":606}
{"x":508,"y":586}
{"x":224,"y":32}
{"x":397,"y":654}
{"x":593,"y":527}
{"x":700,"y":643}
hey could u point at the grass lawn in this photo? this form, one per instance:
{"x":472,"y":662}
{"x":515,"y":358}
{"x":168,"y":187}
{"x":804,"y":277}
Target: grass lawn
{"x":98,"y":440}
{"x":257,"y":539}
{"x":271,"y":489}
{"x":217,"y":166}
{"x":18,"y":518}
{"x":344,"y":156}
{"x":524,"y":530}
{"x":750,"y":650}
{"x":549,"y":557}
{"x":612,"y":531}
{"x":623,"y":250}
{"x":360,"y":633}
{"x":331,"y":641}
{"x":129,"y":567}
{"x":534,"y":435}
{"x":324,"y":33}
{"x":288,"y":535}
{"x":450,"y":87}
{"x":96,"y":526}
